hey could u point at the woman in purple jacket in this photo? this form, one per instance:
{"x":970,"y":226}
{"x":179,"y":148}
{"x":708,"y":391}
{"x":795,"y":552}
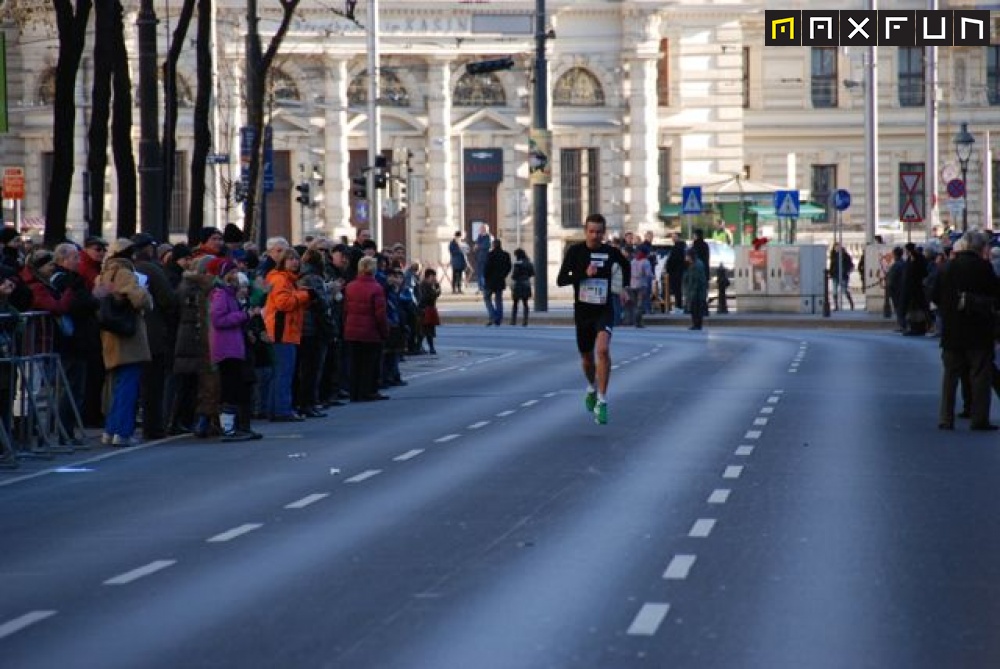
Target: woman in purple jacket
{"x":366,"y":327}
{"x":227,"y":347}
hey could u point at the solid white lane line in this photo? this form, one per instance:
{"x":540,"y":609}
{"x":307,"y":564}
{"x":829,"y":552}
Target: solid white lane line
{"x":773,"y":399}
{"x":719,"y":496}
{"x":363,"y":476}
{"x":680,"y":567}
{"x":307,"y":500}
{"x":529,"y":403}
{"x":767,"y":410}
{"x":229,"y":535}
{"x":504,"y":414}
{"x":17,"y":624}
{"x":760,"y":421}
{"x":408,"y":455}
{"x":136,"y":574}
{"x":752,"y":434}
{"x":702,"y":528}
{"x":446,"y":438}
{"x":733,"y":472}
{"x":744,"y":450}
{"x":648,"y":620}
{"x":476,"y":426}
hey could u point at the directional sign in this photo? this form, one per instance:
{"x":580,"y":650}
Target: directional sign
{"x":956,"y":188}
{"x":786,"y":203}
{"x":910,"y":187}
{"x":841,"y":199}
{"x":691,"y":200}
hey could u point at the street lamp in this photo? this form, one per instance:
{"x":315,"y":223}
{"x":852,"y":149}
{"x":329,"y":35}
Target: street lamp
{"x":963,"y":148}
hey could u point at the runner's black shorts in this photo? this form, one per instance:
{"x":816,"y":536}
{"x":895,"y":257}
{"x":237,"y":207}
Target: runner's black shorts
{"x":589,"y":323}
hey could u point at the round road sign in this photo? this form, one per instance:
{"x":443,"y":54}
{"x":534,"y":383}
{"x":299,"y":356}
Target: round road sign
{"x":956,"y":188}
{"x":841,"y":199}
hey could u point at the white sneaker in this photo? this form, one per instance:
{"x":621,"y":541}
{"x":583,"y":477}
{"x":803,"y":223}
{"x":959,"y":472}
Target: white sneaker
{"x":106,"y":439}
{"x":123,"y":442}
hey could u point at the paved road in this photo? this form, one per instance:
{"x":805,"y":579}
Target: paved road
{"x":759,"y":499}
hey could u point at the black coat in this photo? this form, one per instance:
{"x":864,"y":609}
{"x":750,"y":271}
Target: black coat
{"x":971,"y":328}
{"x":497,"y":268}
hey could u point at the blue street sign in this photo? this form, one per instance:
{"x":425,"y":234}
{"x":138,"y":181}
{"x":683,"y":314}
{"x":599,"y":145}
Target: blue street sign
{"x":268,"y":160}
{"x":841,"y":199}
{"x":246,"y":149}
{"x":786,"y":203}
{"x":691,"y":200}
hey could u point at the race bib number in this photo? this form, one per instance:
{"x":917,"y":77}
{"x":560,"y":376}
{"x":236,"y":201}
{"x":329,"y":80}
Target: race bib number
{"x":594,"y":291}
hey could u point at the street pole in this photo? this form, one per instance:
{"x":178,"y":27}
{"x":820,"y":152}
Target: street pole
{"x":987,"y":205}
{"x":965,"y":195}
{"x":374,"y":129}
{"x":871,"y":139}
{"x":150,"y":158}
{"x":930,"y":103}
{"x":540,"y":191}
{"x":255,"y":112}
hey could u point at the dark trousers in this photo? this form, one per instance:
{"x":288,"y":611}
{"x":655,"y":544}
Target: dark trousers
{"x":698,"y":309}
{"x":513,"y":313}
{"x":154,"y":373}
{"x":677,"y":290}
{"x":365,"y":364}
{"x":456,"y":280}
{"x":185,"y":398}
{"x":978,"y":365}
{"x":312,"y":354}
{"x":329,"y":380}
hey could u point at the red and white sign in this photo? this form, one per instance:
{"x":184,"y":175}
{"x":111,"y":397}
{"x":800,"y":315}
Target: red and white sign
{"x":910,"y":186}
{"x":13,"y":183}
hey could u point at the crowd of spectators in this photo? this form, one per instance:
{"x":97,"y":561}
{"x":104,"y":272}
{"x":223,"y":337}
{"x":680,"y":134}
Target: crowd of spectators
{"x":206,"y":337}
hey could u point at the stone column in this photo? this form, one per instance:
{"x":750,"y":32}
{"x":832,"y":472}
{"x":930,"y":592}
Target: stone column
{"x":644,"y":154}
{"x":440,"y":192}
{"x":336,"y":178}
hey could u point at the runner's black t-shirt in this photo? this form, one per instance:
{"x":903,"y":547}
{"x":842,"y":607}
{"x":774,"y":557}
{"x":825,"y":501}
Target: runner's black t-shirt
{"x":591,"y":294}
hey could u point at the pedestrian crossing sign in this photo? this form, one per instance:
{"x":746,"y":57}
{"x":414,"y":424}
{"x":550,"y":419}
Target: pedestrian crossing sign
{"x":691,"y":200}
{"x":786,"y":203}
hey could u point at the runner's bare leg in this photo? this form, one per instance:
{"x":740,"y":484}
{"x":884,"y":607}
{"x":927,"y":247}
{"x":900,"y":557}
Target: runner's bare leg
{"x":603,"y":351}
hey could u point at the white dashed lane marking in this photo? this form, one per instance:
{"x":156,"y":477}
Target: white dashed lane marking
{"x":476,"y":426}
{"x":679,"y":567}
{"x":229,"y":535}
{"x":648,"y":620}
{"x":550,"y":394}
{"x":767,"y":410}
{"x":446,"y":438}
{"x":529,"y":403}
{"x":733,"y":472}
{"x":408,"y":455}
{"x":307,"y":500}
{"x":760,"y":421}
{"x":136,"y":574}
{"x":504,"y":414}
{"x":17,"y":624}
{"x":744,"y":450}
{"x":773,"y":399}
{"x":752,"y":434}
{"x":363,"y":476}
{"x":702,"y":528}
{"x":719,"y":496}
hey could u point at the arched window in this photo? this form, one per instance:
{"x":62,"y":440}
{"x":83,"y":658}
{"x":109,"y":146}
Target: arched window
{"x":479,"y":90}
{"x":47,"y":87}
{"x":392,"y":93}
{"x":578,"y":88}
{"x":282,"y":86}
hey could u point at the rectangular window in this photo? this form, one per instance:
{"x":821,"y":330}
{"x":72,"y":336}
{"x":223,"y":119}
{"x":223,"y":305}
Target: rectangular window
{"x":993,"y":75}
{"x":911,"y":76}
{"x":663,"y":74}
{"x":579,"y":185}
{"x":912,"y":173}
{"x":824,"y":77}
{"x":824,"y":182}
{"x":179,"y":196}
{"x":746,"y":77}
{"x":663,"y":162}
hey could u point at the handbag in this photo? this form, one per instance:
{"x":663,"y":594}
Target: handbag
{"x":117,"y":316}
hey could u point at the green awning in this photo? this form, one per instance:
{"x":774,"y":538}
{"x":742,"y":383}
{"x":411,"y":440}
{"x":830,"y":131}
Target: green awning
{"x":670,"y":210}
{"x":806,"y":210}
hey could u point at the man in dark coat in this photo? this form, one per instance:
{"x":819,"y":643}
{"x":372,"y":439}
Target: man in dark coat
{"x":495,"y":273}
{"x":675,"y":268}
{"x":967,"y":292}
{"x":161,"y":330}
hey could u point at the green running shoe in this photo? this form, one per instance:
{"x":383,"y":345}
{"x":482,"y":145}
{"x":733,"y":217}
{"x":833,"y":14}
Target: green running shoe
{"x":601,"y":413}
{"x":590,"y":400}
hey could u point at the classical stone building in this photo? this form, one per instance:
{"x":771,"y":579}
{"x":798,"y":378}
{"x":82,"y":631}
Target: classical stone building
{"x":644,"y":98}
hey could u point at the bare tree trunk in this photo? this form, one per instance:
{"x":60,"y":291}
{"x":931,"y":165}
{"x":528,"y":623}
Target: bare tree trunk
{"x":121,"y":130}
{"x":72,"y":28}
{"x":202,"y":130}
{"x":170,"y":105}
{"x":100,"y":115}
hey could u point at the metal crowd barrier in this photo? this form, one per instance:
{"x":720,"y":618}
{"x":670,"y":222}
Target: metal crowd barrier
{"x":33,"y":387}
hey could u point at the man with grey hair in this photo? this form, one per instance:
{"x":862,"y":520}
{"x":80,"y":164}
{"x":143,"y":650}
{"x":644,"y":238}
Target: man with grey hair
{"x":967,"y":292}
{"x":273,"y":249}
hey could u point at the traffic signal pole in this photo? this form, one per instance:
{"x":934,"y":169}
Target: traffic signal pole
{"x":540,"y":191}
{"x":374,"y":125}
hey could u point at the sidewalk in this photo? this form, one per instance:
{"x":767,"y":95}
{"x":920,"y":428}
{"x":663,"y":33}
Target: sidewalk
{"x":468,"y":309}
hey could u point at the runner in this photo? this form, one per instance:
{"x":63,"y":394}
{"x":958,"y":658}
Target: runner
{"x":588,"y":267}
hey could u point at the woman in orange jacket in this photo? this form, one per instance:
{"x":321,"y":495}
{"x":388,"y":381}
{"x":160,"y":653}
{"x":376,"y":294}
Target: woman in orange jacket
{"x":284,"y":313}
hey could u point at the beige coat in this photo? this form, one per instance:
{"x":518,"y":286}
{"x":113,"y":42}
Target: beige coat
{"x":118,"y":275}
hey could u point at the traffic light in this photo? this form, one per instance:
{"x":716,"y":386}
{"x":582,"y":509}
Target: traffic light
{"x":359,"y":187}
{"x":381,"y":168}
{"x":303,"y":196}
{"x":486,"y":66}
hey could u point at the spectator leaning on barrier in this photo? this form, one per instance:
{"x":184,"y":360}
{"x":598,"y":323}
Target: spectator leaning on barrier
{"x":123,"y":355}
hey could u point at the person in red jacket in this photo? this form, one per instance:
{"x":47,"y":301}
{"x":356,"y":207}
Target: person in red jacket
{"x":37,"y":271}
{"x":284,"y":312}
{"x":366,"y":327}
{"x":95,"y":249}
